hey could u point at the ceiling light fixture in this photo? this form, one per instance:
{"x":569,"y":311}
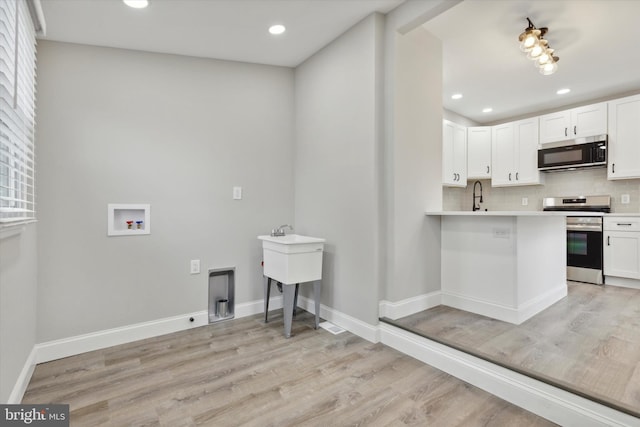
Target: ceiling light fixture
{"x":456,"y":96}
{"x":277,"y":29}
{"x":563,"y":91}
{"x":136,"y":4}
{"x":487,"y":110}
{"x":537,"y":48}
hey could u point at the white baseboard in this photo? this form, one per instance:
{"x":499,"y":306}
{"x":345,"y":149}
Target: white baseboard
{"x":23,"y":379}
{"x":515,"y":315}
{"x":71,"y":346}
{"x":535,"y":306}
{"x":57,"y":349}
{"x":254,"y":307}
{"x":409,"y":306}
{"x":622,"y":282}
{"x":554,"y":404}
{"x":351,"y":324}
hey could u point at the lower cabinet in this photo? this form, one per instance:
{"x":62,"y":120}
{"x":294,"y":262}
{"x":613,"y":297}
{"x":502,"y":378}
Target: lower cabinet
{"x":622,"y":247}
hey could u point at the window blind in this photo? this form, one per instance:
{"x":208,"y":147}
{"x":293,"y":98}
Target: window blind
{"x":17,"y":113}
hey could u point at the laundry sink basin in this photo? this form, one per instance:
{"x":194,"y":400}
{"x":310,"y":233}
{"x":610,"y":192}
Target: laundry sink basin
{"x":292,"y":258}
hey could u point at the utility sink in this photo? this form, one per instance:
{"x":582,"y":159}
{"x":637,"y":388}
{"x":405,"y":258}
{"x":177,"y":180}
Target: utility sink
{"x":292,"y":258}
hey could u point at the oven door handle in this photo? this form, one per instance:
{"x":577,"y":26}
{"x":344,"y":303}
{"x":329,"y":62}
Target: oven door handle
{"x":584,"y":227}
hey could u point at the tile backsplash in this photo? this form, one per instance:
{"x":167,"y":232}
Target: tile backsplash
{"x":587,"y":182}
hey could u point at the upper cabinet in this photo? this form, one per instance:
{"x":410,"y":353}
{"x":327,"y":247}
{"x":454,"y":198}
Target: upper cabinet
{"x":479,"y":152}
{"x":578,"y":122}
{"x":624,"y":138}
{"x":454,"y":154}
{"x":514,"y":158}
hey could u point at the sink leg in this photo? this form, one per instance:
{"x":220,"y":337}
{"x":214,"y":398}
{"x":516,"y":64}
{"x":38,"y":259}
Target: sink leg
{"x":267,"y":291}
{"x":295,"y":301}
{"x":289,"y":295}
{"x":316,"y":300}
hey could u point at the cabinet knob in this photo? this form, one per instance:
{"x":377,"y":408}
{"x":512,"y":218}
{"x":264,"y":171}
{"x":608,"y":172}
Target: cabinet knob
{"x":613,"y":168}
{"x":509,"y":176}
{"x":575,"y":130}
{"x":517,"y":175}
{"x":608,"y":240}
{"x":487,"y":169}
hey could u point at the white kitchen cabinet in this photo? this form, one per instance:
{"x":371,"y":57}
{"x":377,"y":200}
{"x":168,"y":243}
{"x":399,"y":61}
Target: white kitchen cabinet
{"x":624,"y":138}
{"x":479,"y":152}
{"x":514,"y":154}
{"x":589,"y":120}
{"x":622,"y":247}
{"x":454,"y":154}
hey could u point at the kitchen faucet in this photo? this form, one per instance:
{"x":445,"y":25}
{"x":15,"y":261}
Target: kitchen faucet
{"x":477,"y":208}
{"x":280,"y":230}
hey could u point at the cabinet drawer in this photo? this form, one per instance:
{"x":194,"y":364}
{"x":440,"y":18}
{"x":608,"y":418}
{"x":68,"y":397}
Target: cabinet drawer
{"x":622,"y":223}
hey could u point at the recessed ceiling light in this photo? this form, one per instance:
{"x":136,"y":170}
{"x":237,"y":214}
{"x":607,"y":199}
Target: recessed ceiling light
{"x":137,"y":4}
{"x":487,"y":110}
{"x":456,"y":96}
{"x":563,"y":91}
{"x":277,"y":29}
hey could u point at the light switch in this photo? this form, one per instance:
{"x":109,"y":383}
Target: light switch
{"x":624,"y":199}
{"x":195,"y":266}
{"x":525,"y":201}
{"x":237,"y":193}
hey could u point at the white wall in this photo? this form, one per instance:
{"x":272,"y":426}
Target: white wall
{"x":413,"y":121}
{"x":118,"y":126}
{"x":336,"y":164}
{"x":18,"y":298}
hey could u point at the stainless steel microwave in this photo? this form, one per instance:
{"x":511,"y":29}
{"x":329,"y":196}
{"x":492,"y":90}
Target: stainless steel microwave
{"x":575,"y":154}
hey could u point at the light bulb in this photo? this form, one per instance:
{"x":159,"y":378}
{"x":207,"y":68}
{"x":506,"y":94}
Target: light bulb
{"x":277,"y":29}
{"x":136,"y":4}
{"x":545,"y":57}
{"x":528,"y":39}
{"x":549,"y":68}
{"x":535,"y":51}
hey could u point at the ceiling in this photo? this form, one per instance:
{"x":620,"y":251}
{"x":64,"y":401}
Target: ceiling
{"x":235,"y":30}
{"x":596,"y":41}
{"x":481,"y":56}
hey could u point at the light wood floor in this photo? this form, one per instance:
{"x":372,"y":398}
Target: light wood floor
{"x":243,"y":372}
{"x":588,"y":342}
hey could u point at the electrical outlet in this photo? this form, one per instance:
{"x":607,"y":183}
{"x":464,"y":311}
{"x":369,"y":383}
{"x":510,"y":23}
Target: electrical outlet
{"x":525,"y":201}
{"x":624,"y":199}
{"x":237,"y":193}
{"x":195,"y":266}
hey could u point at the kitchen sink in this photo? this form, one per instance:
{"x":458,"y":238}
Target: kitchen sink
{"x":292,"y":258}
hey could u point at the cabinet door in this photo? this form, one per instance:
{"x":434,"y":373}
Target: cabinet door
{"x":502,"y":155}
{"x":622,"y":254}
{"x":555,"y":127}
{"x":479,"y":152}
{"x":454,"y":154}
{"x":589,"y":120}
{"x":526,"y":165}
{"x":624,"y":138}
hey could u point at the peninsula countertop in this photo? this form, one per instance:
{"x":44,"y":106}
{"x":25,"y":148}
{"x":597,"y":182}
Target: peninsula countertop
{"x":528,"y":213}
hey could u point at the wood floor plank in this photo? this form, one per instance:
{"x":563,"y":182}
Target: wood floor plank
{"x":589,"y":341}
{"x":244,"y":372}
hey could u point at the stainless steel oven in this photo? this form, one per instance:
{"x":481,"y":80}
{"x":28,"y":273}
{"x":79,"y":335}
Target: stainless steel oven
{"x":584,"y":249}
{"x":584,"y":235}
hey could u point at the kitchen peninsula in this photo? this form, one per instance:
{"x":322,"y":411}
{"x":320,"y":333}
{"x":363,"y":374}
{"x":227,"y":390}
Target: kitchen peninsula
{"x":504,"y":265}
